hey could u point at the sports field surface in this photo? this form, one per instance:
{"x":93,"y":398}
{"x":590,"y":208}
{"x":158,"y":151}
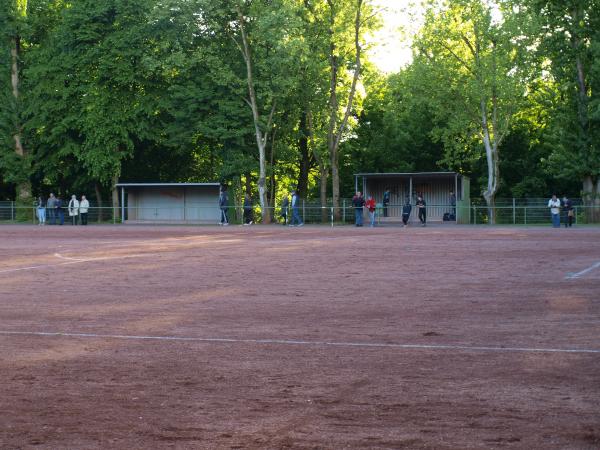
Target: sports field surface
{"x":446,"y":337}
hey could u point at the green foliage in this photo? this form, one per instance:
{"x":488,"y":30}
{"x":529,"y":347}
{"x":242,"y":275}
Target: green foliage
{"x":156,"y":90}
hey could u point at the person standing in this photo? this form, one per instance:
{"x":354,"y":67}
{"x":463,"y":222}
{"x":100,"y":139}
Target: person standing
{"x":84,"y":205}
{"x":51,"y":208}
{"x":41,"y":210}
{"x":223,"y":204}
{"x":296,"y":220}
{"x":421,"y":206}
{"x":248,"y":212}
{"x":58,"y":208}
{"x":406,"y":210}
{"x":358,"y":202}
{"x":73,"y":209}
{"x":452,"y":205}
{"x":370,"y":205}
{"x":386,"y":202}
{"x":567,"y":205}
{"x":554,"y":205}
{"x":285,"y":204}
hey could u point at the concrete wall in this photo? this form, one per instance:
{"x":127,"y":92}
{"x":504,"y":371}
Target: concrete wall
{"x":173,"y":204}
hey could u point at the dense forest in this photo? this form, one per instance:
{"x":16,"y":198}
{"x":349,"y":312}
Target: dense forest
{"x":273,"y":95}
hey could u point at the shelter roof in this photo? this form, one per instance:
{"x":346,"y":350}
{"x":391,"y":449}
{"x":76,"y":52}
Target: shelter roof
{"x":408,"y":174}
{"x":165,"y":184}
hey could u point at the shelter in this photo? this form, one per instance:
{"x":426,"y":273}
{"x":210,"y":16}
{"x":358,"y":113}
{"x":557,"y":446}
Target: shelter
{"x":170,"y":202}
{"x":434,"y":186}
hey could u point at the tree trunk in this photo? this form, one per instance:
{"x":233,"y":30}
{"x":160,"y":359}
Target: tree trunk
{"x":115,"y":198}
{"x":491,"y":153}
{"x":99,"y":201}
{"x":302,"y":186}
{"x":591,"y":198}
{"x":272,"y":186}
{"x":323,"y":172}
{"x":335,"y":131}
{"x":261,"y":138}
{"x":24,"y":186}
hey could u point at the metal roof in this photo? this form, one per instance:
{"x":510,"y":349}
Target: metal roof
{"x":406,"y":174}
{"x":165,"y":184}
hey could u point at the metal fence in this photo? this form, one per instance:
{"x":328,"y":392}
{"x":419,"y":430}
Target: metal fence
{"x":310,"y":213}
{"x":531,"y":215}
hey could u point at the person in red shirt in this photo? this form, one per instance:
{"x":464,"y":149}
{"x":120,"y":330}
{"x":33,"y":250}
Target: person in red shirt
{"x":370,"y":205}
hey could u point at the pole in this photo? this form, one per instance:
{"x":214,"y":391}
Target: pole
{"x":123,"y":205}
{"x":514,"y":212}
{"x":332,"y":217}
{"x":303,"y":211}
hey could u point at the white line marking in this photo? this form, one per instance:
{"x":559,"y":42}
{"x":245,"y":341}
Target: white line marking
{"x":304,"y":343}
{"x":58,"y":255}
{"x":38,"y":267}
{"x":571,"y":276}
{"x":71,"y":261}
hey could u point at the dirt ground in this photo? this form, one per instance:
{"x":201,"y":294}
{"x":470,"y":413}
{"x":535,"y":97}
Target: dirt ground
{"x":447,"y":337}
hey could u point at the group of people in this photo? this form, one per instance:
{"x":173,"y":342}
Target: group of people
{"x":54,"y":210}
{"x":358,"y":202}
{"x":248,"y":218}
{"x":556,"y":206}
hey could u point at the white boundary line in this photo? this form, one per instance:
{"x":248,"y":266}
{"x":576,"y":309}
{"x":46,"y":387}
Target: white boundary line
{"x":301,"y":343}
{"x":571,"y":276}
{"x":72,"y":261}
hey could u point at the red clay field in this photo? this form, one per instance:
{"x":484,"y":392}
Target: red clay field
{"x":448,"y":337}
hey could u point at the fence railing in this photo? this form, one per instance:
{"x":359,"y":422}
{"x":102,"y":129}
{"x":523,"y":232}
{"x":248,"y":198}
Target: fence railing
{"x":309,"y":214}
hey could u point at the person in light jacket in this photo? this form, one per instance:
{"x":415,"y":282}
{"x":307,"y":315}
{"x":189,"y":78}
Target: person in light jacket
{"x":73,"y":209}
{"x":41,"y":210}
{"x":84,"y":205}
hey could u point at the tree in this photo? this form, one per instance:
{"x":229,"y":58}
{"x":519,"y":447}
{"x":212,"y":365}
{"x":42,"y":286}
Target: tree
{"x":569,"y":38}
{"x":13,"y":14}
{"x":472,"y":73}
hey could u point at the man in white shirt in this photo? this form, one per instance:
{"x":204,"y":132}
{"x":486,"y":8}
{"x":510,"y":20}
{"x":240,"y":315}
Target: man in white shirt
{"x":554,"y":205}
{"x":84,"y":205}
{"x":73,"y":209}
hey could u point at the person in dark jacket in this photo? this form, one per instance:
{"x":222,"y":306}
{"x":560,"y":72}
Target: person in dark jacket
{"x":358,"y":202}
{"x":248,"y":212}
{"x":406,"y":210}
{"x":296,"y":220}
{"x":223,"y":204}
{"x":60,"y":212}
{"x":569,"y":213}
{"x":285,"y":204}
{"x":386,"y":202}
{"x":421,"y":206}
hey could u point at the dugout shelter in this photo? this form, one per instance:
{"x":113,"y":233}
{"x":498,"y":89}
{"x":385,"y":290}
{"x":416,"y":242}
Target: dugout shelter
{"x":169,"y":202}
{"x":434,"y":186}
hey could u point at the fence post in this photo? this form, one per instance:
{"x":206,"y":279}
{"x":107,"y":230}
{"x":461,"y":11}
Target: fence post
{"x":303,"y":211}
{"x":474,"y":215}
{"x":332,"y":217}
{"x":525,"y":215}
{"x":514,"y":212}
{"x":114,"y":214}
{"x":575,"y":212}
{"x":344,"y":211}
{"x":12,"y":211}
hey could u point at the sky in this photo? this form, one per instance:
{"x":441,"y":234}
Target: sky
{"x":390,"y":46}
